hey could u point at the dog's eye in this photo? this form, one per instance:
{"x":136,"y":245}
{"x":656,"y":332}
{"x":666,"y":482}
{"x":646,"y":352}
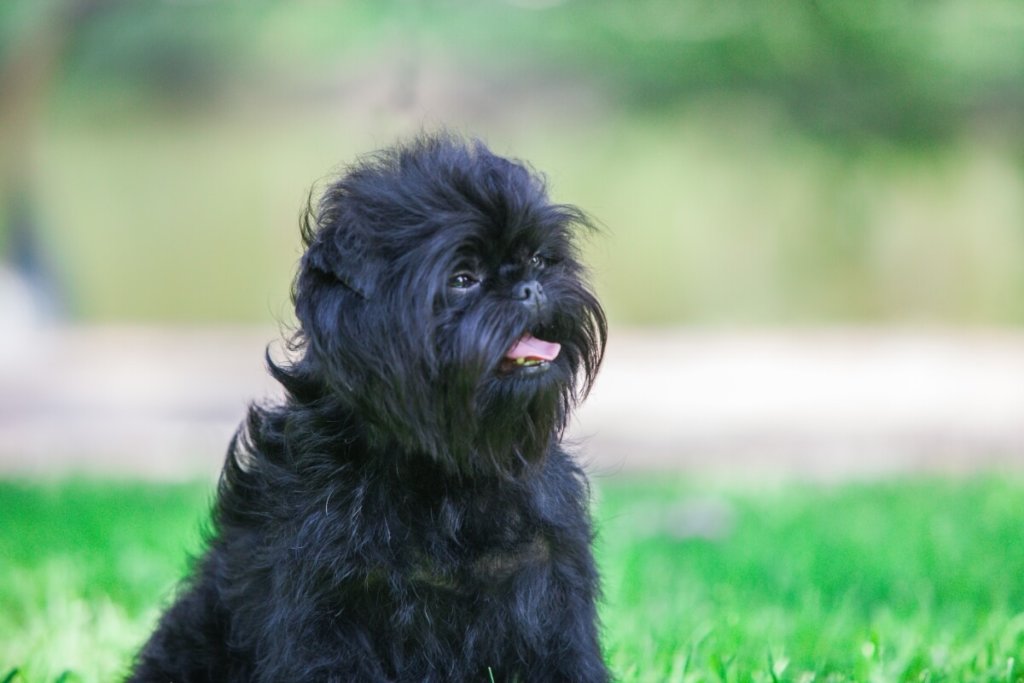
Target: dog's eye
{"x":537,"y":262}
{"x":463,"y":280}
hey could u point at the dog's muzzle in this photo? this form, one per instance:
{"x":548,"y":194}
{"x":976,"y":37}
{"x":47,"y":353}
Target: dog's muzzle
{"x":531,"y":294}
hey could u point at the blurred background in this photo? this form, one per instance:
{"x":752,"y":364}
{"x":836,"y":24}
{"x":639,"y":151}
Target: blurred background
{"x":813,"y":213}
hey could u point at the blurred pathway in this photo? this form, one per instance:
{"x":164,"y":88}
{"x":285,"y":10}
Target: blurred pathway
{"x":163,"y":402}
{"x":820,"y":404}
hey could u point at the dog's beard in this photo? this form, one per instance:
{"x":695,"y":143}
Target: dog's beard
{"x":501,"y":415}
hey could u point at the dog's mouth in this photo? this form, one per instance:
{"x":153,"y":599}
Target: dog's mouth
{"x":529,"y":355}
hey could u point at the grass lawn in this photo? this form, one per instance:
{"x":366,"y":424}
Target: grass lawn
{"x":919,"y":580}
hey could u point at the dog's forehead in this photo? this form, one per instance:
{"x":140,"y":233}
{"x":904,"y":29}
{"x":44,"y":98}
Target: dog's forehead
{"x":502,"y":242}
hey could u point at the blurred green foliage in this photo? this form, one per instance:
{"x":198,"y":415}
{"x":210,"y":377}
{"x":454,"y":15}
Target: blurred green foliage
{"x":754,"y":162}
{"x":906,"y":70}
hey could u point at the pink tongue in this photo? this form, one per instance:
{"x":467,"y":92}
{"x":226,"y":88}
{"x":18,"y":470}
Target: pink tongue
{"x":531,"y":347}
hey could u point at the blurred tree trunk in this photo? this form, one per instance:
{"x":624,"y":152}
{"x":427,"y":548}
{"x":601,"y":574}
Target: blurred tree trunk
{"x":28,"y":68}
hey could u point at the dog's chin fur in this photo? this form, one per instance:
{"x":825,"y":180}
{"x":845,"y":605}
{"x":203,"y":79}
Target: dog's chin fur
{"x":407,"y":513}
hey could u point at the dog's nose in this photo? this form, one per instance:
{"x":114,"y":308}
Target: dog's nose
{"x":531,"y":293}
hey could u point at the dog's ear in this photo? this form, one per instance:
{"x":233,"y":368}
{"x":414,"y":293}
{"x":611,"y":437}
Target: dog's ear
{"x":352,"y":263}
{"x":336,"y":247}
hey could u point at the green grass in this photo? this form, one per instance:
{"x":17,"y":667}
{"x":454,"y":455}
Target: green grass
{"x":919,"y":580}
{"x":84,"y":568}
{"x":911,"y":581}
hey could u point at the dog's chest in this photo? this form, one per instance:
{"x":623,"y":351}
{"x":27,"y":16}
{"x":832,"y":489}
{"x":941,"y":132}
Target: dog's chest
{"x":478,"y":547}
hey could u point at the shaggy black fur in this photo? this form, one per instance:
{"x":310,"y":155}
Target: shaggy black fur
{"x":407,"y":514}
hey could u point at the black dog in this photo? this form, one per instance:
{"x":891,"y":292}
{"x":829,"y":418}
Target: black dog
{"x":407,"y":514}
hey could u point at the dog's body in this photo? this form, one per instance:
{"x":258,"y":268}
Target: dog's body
{"x":408,"y":513}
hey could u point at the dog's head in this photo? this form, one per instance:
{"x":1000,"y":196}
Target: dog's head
{"x":441,"y":298}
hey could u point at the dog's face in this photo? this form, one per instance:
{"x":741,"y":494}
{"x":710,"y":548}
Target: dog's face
{"x":441,"y":299}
